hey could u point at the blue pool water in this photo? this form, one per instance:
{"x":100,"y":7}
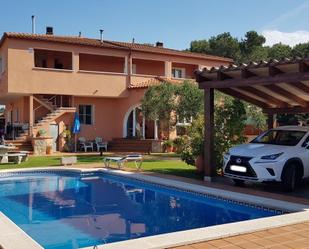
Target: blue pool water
{"x":69,"y":210}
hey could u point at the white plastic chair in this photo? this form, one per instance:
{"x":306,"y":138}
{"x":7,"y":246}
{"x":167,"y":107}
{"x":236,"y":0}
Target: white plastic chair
{"x":85,"y":144}
{"x":100,"y":143}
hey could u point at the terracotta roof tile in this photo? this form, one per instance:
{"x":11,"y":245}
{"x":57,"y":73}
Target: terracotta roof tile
{"x":110,"y":44}
{"x":252,"y":65}
{"x":152,"y":82}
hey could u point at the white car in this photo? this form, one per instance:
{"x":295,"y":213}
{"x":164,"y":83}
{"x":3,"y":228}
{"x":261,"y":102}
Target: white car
{"x":280,"y":154}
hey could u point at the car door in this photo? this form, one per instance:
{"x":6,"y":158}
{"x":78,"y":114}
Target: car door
{"x":305,"y":156}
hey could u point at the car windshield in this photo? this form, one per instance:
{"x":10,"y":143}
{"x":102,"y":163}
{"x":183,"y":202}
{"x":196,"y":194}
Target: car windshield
{"x":280,"y":137}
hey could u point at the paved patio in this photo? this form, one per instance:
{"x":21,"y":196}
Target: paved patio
{"x":295,"y":236}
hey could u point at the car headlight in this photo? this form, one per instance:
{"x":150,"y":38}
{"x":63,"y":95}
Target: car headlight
{"x":226,"y":156}
{"x":272,"y":156}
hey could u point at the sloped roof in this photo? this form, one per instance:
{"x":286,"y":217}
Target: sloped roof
{"x":76,"y":40}
{"x":152,"y":82}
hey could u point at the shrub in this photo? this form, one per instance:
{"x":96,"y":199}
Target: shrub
{"x":229,"y":125}
{"x":180,"y":143}
{"x":167,"y":144}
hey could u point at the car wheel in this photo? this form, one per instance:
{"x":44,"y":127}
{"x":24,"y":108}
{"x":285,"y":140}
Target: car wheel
{"x":290,"y":178}
{"x":239,"y":183}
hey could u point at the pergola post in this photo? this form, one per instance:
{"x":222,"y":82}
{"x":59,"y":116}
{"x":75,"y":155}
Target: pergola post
{"x":209,"y":166}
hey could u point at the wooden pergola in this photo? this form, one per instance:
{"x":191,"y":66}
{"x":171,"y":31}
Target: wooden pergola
{"x":275,"y":86}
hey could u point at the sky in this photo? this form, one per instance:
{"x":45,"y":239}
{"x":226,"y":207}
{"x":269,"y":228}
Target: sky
{"x":174,"y":22}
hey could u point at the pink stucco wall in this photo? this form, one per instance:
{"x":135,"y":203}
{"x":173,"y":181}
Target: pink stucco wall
{"x":109,"y":114}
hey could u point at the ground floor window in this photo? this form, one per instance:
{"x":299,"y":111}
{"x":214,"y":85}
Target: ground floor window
{"x":86,"y":115}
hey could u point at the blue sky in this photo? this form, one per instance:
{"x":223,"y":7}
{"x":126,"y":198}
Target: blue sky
{"x":175,"y":22}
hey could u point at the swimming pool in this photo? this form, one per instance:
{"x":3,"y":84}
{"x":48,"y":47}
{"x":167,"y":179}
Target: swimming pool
{"x":69,"y":210}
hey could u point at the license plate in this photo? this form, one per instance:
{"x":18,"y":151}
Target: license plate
{"x":238,"y":168}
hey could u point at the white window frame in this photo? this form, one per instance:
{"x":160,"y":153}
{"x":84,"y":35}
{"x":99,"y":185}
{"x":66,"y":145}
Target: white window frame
{"x":184,"y":122}
{"x":92,"y":114}
{"x":183,"y":72}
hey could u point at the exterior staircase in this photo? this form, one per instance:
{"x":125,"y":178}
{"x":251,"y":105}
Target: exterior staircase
{"x":130,"y":145}
{"x":24,"y":139}
{"x":45,"y":121}
{"x":20,"y":145}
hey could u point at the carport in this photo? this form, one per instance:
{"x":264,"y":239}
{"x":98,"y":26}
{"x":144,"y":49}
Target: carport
{"x":275,"y":86}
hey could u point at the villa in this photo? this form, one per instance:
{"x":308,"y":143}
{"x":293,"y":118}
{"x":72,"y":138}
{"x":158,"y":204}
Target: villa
{"x":46,"y":78}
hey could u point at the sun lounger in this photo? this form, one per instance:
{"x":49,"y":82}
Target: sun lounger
{"x":15,"y":157}
{"x":23,"y":153}
{"x":120,"y":160}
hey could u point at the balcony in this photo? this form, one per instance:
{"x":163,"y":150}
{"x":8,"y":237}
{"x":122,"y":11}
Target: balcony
{"x":52,"y":59}
{"x":148,"y":67}
{"x":102,"y":63}
{"x":183,"y":71}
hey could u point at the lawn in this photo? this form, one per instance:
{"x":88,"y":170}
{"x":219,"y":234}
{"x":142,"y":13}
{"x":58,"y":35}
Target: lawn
{"x":159,"y":163}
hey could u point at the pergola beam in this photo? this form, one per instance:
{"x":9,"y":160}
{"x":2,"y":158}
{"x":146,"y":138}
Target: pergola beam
{"x":244,"y":97}
{"x":301,"y":86}
{"x":288,"y":94}
{"x":267,"y":97}
{"x":258,"y":80}
{"x":291,"y":110}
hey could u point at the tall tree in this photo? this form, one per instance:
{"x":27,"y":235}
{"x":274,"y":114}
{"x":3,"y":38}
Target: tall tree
{"x":301,"y":50}
{"x":159,"y":101}
{"x":251,"y":41}
{"x":279,"y":51}
{"x":225,"y":45}
{"x":200,"y":46}
{"x":189,"y":100}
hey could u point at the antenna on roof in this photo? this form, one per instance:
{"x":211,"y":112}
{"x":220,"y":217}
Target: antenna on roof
{"x":101,"y":35}
{"x":33,"y":23}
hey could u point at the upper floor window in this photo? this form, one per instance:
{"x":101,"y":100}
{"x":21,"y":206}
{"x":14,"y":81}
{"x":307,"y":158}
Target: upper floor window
{"x":86,"y":114}
{"x":52,"y":59}
{"x":178,"y":73}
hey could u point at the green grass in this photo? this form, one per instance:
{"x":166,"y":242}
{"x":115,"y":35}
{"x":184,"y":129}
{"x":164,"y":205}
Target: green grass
{"x":159,"y":163}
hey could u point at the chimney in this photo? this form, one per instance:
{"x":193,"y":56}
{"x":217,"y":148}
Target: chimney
{"x":79,"y":34}
{"x":159,"y":44}
{"x":101,"y":35}
{"x":49,"y":30}
{"x":33,"y":24}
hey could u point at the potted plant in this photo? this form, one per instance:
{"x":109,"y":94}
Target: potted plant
{"x":41,"y":133}
{"x":179,"y":143}
{"x":49,"y":149}
{"x":167,"y":146}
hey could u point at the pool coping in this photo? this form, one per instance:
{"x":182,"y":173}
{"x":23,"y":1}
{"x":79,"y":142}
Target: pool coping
{"x":301,"y":213}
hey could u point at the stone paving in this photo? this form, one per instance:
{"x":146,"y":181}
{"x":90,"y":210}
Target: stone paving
{"x":294,"y":236}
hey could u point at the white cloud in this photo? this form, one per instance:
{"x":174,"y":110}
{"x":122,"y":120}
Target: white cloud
{"x":287,"y":17}
{"x":288,"y":38}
